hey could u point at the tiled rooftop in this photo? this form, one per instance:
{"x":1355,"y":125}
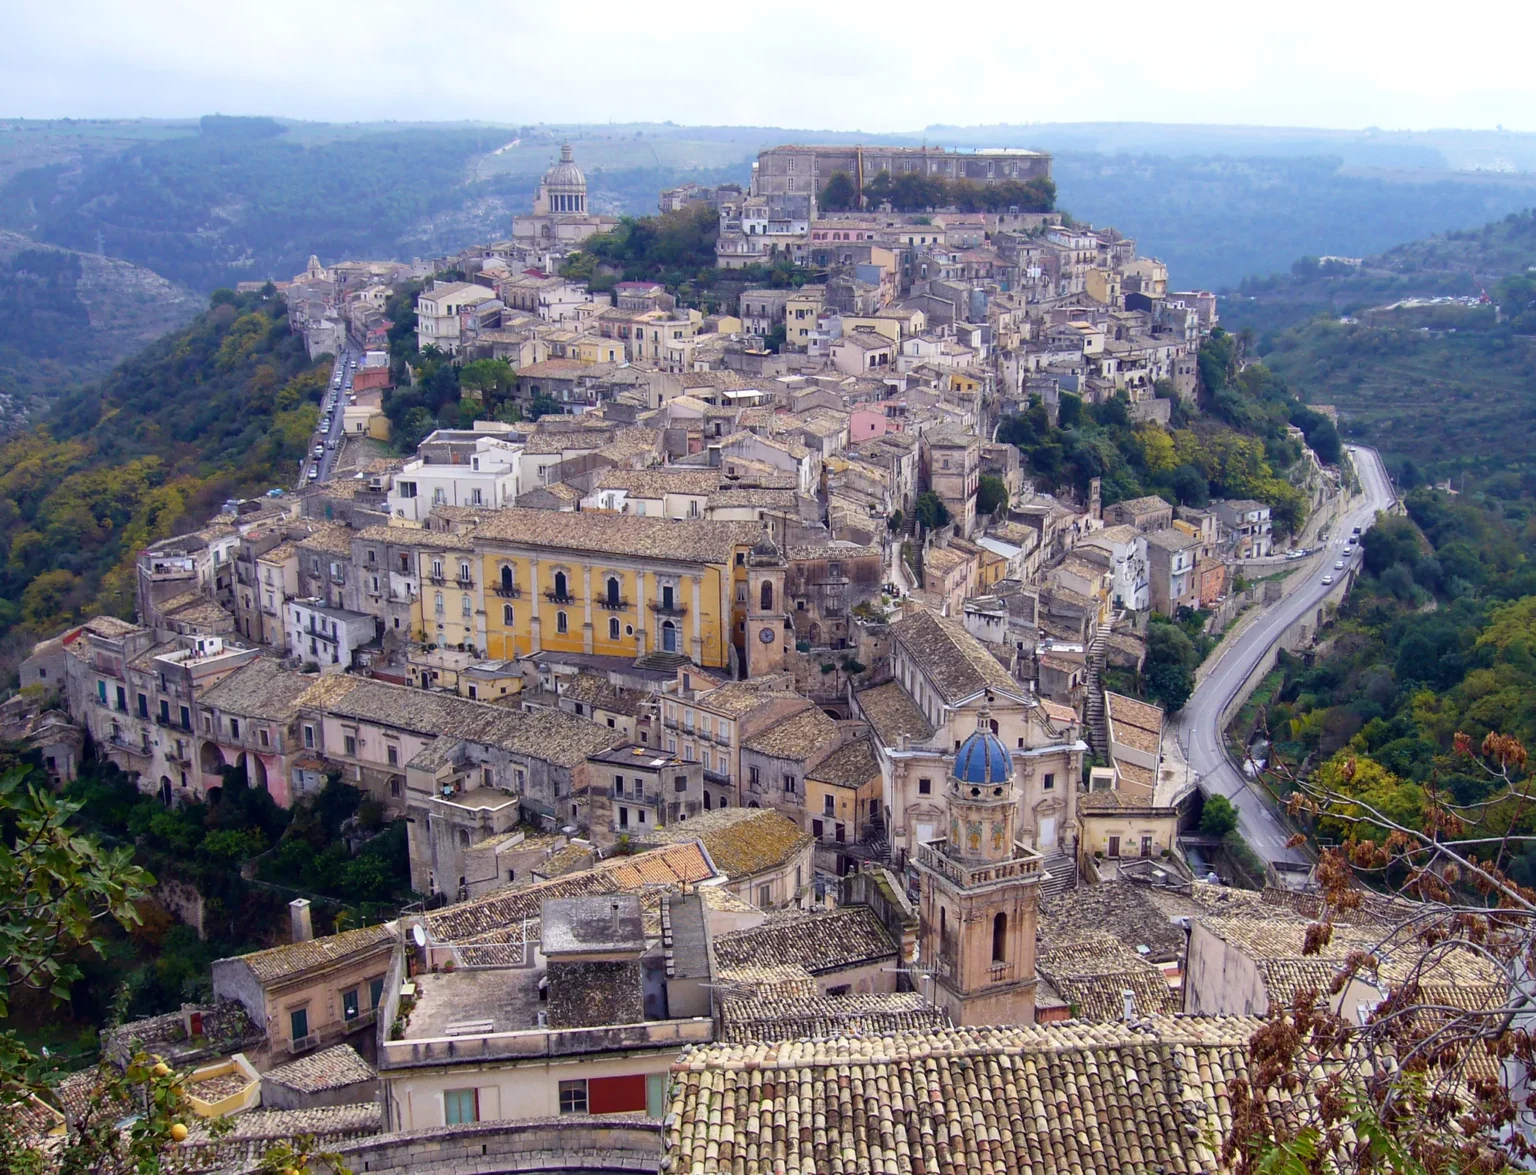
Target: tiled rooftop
{"x":742,"y":842}
{"x":1136,"y":724}
{"x":852,"y":765}
{"x":1093,"y":972}
{"x":955,"y":661}
{"x":275,"y":964}
{"x":800,"y":736}
{"x":601,"y":532}
{"x":772,"y":1017}
{"x":332,"y":1068}
{"x":892,"y":712}
{"x":1085,"y":1099}
{"x":819,"y":942}
{"x":498,"y":918}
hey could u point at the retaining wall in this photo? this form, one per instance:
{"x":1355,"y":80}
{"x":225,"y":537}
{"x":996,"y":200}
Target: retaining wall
{"x":617,"y":1144}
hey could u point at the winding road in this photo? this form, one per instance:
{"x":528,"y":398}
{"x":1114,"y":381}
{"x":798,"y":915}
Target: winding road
{"x":1199,"y":728}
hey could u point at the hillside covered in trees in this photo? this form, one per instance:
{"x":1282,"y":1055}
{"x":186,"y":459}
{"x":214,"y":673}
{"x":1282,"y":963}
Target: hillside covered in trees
{"x":222,"y":408}
{"x":1435,"y":639}
{"x":67,"y":317}
{"x":1413,"y":359}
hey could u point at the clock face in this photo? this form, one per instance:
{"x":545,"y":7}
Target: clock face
{"x":765,"y":635}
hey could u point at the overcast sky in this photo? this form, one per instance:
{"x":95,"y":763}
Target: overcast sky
{"x":830,"y":64}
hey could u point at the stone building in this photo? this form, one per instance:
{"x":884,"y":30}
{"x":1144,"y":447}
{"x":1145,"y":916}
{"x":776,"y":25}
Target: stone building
{"x":980,"y":893}
{"x":561,"y":219}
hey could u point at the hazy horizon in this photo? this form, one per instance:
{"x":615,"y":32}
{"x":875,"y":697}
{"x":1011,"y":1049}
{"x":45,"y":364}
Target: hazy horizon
{"x":1312,"y":67}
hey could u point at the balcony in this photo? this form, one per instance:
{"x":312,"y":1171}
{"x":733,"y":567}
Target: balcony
{"x":1023,"y":863}
{"x":118,"y":742}
{"x":721,"y":777}
{"x":560,"y":597}
{"x":439,"y":580}
{"x":465,"y":582}
{"x":662,"y":609}
{"x":613,"y":605}
{"x":510,"y":593}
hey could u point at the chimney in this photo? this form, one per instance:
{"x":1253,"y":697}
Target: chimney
{"x":1130,"y":1005}
{"x":615,"y":906}
{"x":298,"y":914}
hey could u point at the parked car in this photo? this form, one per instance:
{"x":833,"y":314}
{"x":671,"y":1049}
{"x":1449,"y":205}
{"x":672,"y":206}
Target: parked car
{"x":319,"y":450}
{"x":314,"y":473}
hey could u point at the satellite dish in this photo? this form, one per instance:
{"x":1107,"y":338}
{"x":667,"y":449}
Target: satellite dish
{"x":419,"y":935}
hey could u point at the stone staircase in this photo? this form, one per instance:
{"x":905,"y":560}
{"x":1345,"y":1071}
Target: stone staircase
{"x":1097,"y":728}
{"x":659,"y":660}
{"x":1062,"y":871}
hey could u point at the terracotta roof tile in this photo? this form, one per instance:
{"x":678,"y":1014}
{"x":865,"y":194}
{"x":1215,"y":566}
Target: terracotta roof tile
{"x":800,"y":736}
{"x":1091,"y":1099}
{"x":957,"y":663}
{"x":332,"y":1068}
{"x":892,"y":713}
{"x":778,"y":1017}
{"x":819,"y":942}
{"x":602,"y":532}
{"x":742,"y":842}
{"x":275,"y":964}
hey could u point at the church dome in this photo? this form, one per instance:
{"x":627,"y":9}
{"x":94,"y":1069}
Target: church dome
{"x":565,"y":174}
{"x":982,"y":758}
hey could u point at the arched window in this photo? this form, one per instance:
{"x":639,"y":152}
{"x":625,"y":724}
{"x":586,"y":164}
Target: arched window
{"x":1000,"y":939}
{"x":560,"y":587}
{"x":613,"y":628}
{"x":561,"y":623}
{"x":767,"y":596}
{"x":613,"y":590}
{"x":506,"y":578}
{"x":506,"y":615}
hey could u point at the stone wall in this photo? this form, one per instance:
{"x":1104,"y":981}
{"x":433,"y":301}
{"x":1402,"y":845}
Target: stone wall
{"x":616,"y":1143}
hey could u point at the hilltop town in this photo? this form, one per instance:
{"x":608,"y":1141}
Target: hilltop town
{"x":744,"y":699}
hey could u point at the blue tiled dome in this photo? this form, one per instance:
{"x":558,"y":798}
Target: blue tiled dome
{"x":982,"y":758}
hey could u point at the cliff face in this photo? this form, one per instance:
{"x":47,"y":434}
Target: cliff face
{"x":67,"y":318}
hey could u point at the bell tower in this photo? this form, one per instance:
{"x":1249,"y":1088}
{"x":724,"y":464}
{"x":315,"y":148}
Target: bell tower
{"x":980,"y":892}
{"x":766,"y":613}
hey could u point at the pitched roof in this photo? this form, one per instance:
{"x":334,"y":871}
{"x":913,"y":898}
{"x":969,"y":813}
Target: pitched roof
{"x":819,"y":942}
{"x":1137,"y":724}
{"x":742,"y":842}
{"x":741,"y":697}
{"x":601,"y":532}
{"x":276,"y":964}
{"x":800,"y":736}
{"x":1137,"y":507}
{"x":498,"y":917}
{"x":552,"y":735}
{"x":332,"y":1068}
{"x":890,"y":710}
{"x":957,"y":663}
{"x":852,"y":765}
{"x":1091,"y":1099}
{"x":752,"y":1017}
{"x":1093,"y":973}
{"x":260,"y":689}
